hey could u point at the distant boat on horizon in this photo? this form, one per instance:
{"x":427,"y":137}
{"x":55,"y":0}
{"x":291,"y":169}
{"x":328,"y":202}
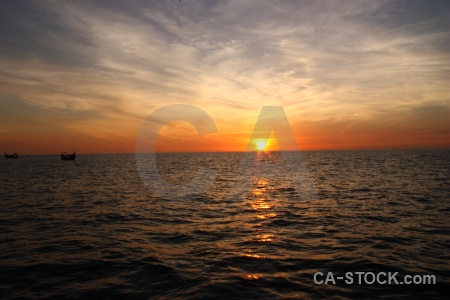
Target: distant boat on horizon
{"x":14,"y":155}
{"x":65,"y":156}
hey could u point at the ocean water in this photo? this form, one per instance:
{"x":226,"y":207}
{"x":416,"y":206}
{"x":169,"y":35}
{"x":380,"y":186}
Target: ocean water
{"x":92,"y":228}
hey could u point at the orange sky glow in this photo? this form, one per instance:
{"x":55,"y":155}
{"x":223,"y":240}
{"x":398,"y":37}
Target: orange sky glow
{"x":84,"y":76}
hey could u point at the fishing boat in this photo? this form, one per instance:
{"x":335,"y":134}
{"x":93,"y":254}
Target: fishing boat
{"x":65,"y":156}
{"x":14,"y":155}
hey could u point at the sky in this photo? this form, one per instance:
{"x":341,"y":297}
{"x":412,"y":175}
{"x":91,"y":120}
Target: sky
{"x":85,"y":75}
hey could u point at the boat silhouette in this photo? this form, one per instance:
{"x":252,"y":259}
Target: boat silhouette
{"x":14,"y":155}
{"x":65,"y":156}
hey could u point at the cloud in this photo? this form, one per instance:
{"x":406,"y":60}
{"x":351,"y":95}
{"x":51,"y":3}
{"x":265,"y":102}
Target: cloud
{"x":31,"y":31}
{"x":116,"y":62}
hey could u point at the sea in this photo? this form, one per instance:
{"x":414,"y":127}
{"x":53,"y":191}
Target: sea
{"x":256,"y":225}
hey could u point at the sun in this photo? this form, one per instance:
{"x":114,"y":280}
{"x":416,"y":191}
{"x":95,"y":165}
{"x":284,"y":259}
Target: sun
{"x":261,"y":145}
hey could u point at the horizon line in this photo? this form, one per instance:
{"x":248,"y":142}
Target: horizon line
{"x":244,"y":151}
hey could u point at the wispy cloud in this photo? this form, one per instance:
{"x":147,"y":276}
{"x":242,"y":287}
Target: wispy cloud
{"x":111,"y":64}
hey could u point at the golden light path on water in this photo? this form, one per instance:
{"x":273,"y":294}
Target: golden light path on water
{"x":261,"y":204}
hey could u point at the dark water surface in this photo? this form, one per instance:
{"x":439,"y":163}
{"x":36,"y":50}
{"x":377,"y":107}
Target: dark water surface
{"x":91,"y":229}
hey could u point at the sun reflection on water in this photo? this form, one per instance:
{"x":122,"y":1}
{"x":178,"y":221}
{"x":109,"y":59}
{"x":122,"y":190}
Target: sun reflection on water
{"x":258,"y":195}
{"x":252,"y":276}
{"x":267,"y":216}
{"x":253,"y":255}
{"x":265,"y":238}
{"x":264,"y":200}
